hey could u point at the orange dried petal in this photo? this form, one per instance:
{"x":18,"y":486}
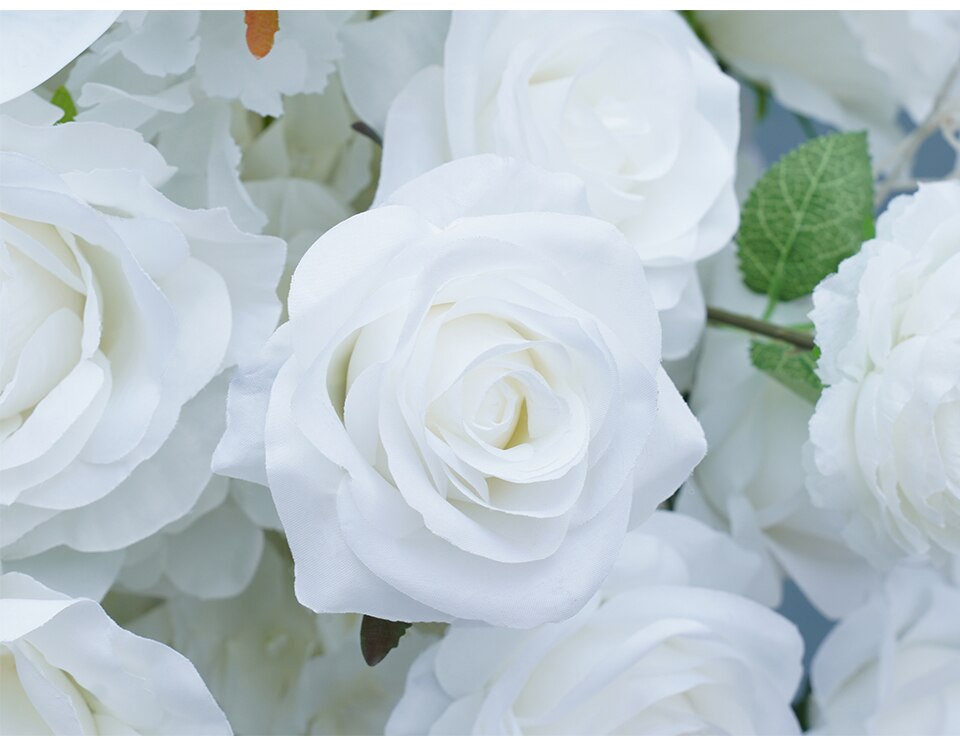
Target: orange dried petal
{"x":262,"y":26}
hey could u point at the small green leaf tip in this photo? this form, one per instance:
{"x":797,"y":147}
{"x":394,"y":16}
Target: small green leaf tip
{"x":62,"y":99}
{"x":788,"y":366}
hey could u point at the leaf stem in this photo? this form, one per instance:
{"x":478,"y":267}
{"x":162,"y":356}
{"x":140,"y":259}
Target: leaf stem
{"x":759,"y":327}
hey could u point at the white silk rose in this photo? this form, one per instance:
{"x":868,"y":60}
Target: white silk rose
{"x":466,"y":405}
{"x":119,"y":308}
{"x":885,"y":437}
{"x":668,"y":646}
{"x":630,"y":102}
{"x":65,"y":667}
{"x":892,"y":667}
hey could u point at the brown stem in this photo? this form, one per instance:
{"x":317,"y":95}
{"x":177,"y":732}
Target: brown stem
{"x":723,"y":317}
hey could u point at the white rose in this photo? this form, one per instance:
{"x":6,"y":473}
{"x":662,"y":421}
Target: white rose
{"x":118,"y":309}
{"x":751,"y":483}
{"x":885,"y":438}
{"x":893,"y":665}
{"x":67,"y":668}
{"x":466,"y":405}
{"x":630,"y":102}
{"x":848,"y":69}
{"x":658,"y":656}
{"x":276,"y":667}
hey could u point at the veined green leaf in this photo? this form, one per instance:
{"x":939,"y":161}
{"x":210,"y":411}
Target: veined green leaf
{"x":805,"y":215}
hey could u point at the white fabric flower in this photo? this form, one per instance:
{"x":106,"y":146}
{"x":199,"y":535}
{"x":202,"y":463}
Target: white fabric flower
{"x":892,"y":667}
{"x":178,"y":77}
{"x":652,"y":653}
{"x":65,"y":667}
{"x":118,"y":309}
{"x":466,"y":404}
{"x":849,"y":69}
{"x":885,"y":438}
{"x":278,"y":668}
{"x":751,"y":483}
{"x":630,"y":102}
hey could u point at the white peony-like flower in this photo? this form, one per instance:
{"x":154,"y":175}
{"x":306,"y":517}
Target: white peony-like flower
{"x":751,"y":483}
{"x":466,"y":405}
{"x":885,"y":438}
{"x":277,"y":668}
{"x":65,"y":667}
{"x":630,"y":102}
{"x":179,"y":78}
{"x":892,"y":667}
{"x":118,"y":309}
{"x":652,"y":653}
{"x":851,"y":69}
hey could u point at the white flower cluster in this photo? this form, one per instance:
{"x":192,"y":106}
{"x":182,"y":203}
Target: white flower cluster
{"x":330,"y":333}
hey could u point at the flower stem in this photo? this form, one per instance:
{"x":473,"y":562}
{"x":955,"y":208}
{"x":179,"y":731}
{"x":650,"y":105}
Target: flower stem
{"x":759,"y":327}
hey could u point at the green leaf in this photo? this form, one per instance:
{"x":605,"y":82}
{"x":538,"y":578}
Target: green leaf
{"x":378,"y":637}
{"x":789,"y":366}
{"x":62,"y":99}
{"x":805,"y":215}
